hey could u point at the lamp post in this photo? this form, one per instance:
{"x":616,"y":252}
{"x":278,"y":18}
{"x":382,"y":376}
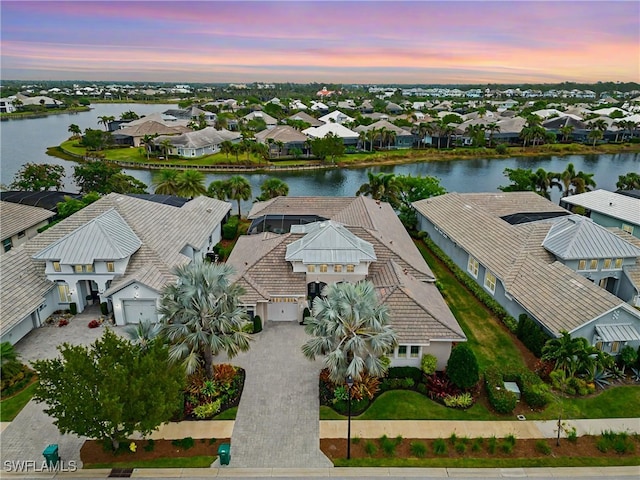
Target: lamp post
{"x":349,"y":385}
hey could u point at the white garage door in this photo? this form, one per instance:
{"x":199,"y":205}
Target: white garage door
{"x":283,"y":311}
{"x":137,"y":310}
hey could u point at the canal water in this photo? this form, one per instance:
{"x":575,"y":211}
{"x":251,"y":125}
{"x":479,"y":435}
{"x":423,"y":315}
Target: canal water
{"x":23,"y":141}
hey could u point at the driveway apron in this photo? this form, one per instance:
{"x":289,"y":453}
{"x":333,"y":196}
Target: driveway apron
{"x":277,"y":424}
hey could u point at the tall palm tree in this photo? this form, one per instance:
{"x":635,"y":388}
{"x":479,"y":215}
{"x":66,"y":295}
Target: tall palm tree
{"x":166,"y":182}
{"x":351,"y":327}
{"x":10,"y":366}
{"x":104,"y":120}
{"x":362,"y":139}
{"x":583,"y":182}
{"x":566,"y":132}
{"x":238,"y":188}
{"x":383,"y":187}
{"x":492,"y":128}
{"x":190,"y":184}
{"x":629,"y":181}
{"x":148,"y":143}
{"x":566,"y":177}
{"x":595,"y":135}
{"x":543,"y":181}
{"x":273,"y":187}
{"x":75,"y":130}
{"x":371,"y":135}
{"x":202,"y":316}
{"x":217,"y":189}
{"x":166,"y":145}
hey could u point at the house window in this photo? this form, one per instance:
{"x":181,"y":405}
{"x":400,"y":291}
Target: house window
{"x":88,"y":268}
{"x":615,"y":347}
{"x":21,"y":234}
{"x":324,"y":268}
{"x":618,"y":263}
{"x":63,"y":292}
{"x":402,"y":351}
{"x":77,"y":268}
{"x":351,"y":268}
{"x":7,"y":244}
{"x":490,"y":281}
{"x":56,"y":267}
{"x":606,"y":265}
{"x":337,"y":268}
{"x":415,"y":351}
{"x":311,"y":268}
{"x":627,"y":228}
{"x":593,"y":264}
{"x":473,"y":266}
{"x":111,"y":267}
{"x":599,"y":345}
{"x":582,"y":265}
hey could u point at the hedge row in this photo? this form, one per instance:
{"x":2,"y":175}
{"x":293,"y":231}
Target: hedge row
{"x":530,"y":333}
{"x":502,"y":400}
{"x":405,"y":372}
{"x":476,"y":289}
{"x":230,"y":229}
{"x":533,"y":390}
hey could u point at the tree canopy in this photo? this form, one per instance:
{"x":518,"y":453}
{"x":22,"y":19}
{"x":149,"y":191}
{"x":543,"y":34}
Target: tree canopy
{"x":38,"y":177}
{"x":111,"y":389}
{"x":104,"y":178}
{"x":462,"y":367}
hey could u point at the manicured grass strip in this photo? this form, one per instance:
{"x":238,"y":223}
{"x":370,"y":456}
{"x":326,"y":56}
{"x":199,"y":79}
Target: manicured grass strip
{"x":202,"y":461}
{"x":229,"y":414}
{"x":489,"y":462}
{"x":614,"y":402}
{"x":409,"y":405}
{"x":12,"y":406}
{"x":328,"y":413}
{"x":491,"y":343}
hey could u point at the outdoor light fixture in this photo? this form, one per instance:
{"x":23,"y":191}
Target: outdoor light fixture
{"x":349,"y":381}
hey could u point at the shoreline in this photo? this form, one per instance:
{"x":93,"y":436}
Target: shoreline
{"x":376,"y":159}
{"x":27,"y":115}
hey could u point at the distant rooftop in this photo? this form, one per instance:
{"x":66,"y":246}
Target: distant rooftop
{"x":615,"y":205}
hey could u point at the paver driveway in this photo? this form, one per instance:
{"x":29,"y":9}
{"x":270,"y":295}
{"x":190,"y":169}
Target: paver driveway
{"x":277,"y":423}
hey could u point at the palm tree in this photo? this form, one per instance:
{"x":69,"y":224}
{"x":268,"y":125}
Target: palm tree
{"x":280,"y":145}
{"x":391,"y":137}
{"x":166,"y":145}
{"x":10,"y":366}
{"x":583,"y":182}
{"x":566,"y":132}
{"x":104,"y":120}
{"x":190,"y":184}
{"x":148,"y":143}
{"x":238,"y":188}
{"x":595,"y":135}
{"x":75,"y":130}
{"x":383,"y":187}
{"x":143,"y":334}
{"x":217,"y":189}
{"x":226,"y":147}
{"x":352,"y":329}
{"x":566,"y":177}
{"x":202,"y":316}
{"x":166,"y":182}
{"x":362,"y":139}
{"x":371,"y":135}
{"x":273,"y":187}
{"x":492,"y":128}
{"x":629,"y":181}
{"x":544,"y":180}
{"x":382,"y":133}
{"x":572,"y":355}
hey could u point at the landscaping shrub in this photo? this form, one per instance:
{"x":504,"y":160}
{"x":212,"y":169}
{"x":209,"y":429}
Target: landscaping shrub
{"x":534,"y":391}
{"x":572,"y":435}
{"x":476,"y":445}
{"x":305,"y":314}
{"x":418,"y":449}
{"x":63,"y":323}
{"x":628,"y":356}
{"x":207,"y":410}
{"x":93,"y":324}
{"x":501,"y":399}
{"x":461,"y":448}
{"x":473,"y":287}
{"x":439,"y":446}
{"x":151,"y":443}
{"x":388,"y":446}
{"x":405,"y":372}
{"x":464,"y":400}
{"x":73,"y":308}
{"x":501,"y":149}
{"x":104,"y":308}
{"x":531,"y":335}
{"x":247,"y":327}
{"x":543,"y":447}
{"x":230,"y":229}
{"x":492,"y":444}
{"x":438,"y":387}
{"x":185,"y":443}
{"x":370,"y":448}
{"x":462,"y":366}
{"x":429,"y":363}
{"x":257,"y":324}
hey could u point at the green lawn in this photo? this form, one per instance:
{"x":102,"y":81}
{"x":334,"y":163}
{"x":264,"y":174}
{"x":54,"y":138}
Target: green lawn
{"x":229,"y":414}
{"x":203,"y":461}
{"x":491,"y":343}
{"x":10,"y":407}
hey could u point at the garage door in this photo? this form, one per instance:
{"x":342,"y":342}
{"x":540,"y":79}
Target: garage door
{"x":283,"y":311}
{"x":137,"y":310}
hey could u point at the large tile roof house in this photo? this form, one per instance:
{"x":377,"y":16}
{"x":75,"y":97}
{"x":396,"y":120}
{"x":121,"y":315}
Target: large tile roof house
{"x":535,"y":258}
{"x":297,"y":245}
{"x":19,"y":223}
{"x":119,"y":250}
{"x":196,"y":144}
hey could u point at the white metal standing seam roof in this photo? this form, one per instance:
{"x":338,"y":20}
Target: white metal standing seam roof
{"x":328,"y":242}
{"x":617,"y":333}
{"x":106,"y":237}
{"x":577,"y":237}
{"x":608,"y":203}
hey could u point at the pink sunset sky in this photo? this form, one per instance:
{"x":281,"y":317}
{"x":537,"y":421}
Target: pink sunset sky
{"x":326,"y":41}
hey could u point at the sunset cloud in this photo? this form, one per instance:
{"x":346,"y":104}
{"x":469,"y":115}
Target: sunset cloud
{"x":360,"y":42}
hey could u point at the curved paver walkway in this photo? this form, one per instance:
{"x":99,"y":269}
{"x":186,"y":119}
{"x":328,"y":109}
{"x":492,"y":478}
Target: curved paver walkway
{"x":277,"y":424}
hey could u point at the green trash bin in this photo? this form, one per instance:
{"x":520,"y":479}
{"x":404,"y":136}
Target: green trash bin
{"x":224,"y":452}
{"x":51,"y":455}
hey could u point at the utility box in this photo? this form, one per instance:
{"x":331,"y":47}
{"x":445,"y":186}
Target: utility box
{"x":224,"y":452}
{"x":51,"y":455}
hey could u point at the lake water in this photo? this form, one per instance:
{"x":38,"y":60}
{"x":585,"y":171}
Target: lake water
{"x":26,"y":140}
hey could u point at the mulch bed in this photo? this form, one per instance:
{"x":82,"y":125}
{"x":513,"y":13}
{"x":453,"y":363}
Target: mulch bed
{"x":585,"y":446}
{"x":93,"y":450}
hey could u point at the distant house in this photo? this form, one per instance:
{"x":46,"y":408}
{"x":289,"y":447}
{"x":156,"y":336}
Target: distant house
{"x":269,"y":121}
{"x":535,"y":258}
{"x":393,"y":108}
{"x":19,"y":223}
{"x":297,"y":245}
{"x":196,"y":144}
{"x":282,"y":139}
{"x":305,"y":117}
{"x":132,"y":135}
{"x":349,"y":137}
{"x":608,"y":209}
{"x":192,"y":113}
{"x":336,"y":117}
{"x":39,"y":100}
{"x":401,"y":138}
{"x":119,"y":250}
{"x":6,"y":105}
